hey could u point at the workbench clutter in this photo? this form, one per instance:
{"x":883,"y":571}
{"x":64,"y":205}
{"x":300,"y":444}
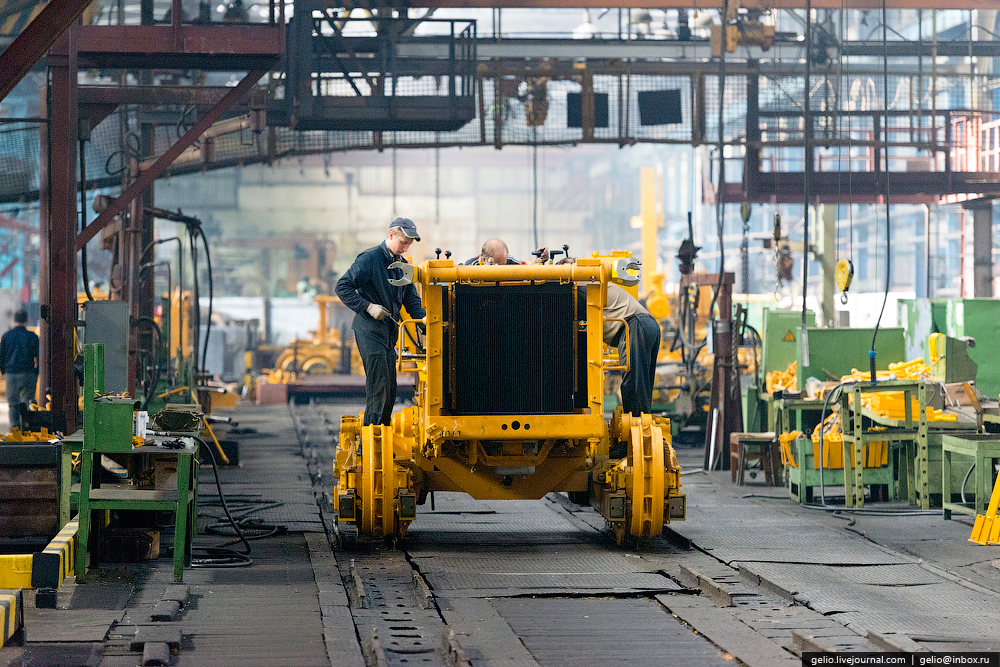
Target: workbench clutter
{"x":118,"y":519}
{"x":836,"y":429}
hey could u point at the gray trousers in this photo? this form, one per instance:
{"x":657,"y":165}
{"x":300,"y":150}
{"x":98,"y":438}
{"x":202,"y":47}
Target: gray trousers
{"x":380,"y":379}
{"x":644,"y":345}
{"x":20,"y":389}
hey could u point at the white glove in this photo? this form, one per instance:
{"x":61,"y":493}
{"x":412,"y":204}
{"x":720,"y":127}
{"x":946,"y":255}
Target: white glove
{"x":377,"y":311}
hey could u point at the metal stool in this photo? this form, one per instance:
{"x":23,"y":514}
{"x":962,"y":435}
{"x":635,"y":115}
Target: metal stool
{"x":744,"y":447}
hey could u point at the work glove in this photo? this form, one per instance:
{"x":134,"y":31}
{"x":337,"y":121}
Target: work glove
{"x":377,"y":311}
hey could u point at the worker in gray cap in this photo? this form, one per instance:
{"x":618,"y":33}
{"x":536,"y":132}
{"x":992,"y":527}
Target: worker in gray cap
{"x":365,"y":289}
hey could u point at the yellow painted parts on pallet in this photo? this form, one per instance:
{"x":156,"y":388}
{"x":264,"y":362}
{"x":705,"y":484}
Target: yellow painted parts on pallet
{"x":874,"y":454}
{"x":889,"y":404}
{"x":782,"y":380}
{"x":915,"y":369}
{"x":16,"y":435}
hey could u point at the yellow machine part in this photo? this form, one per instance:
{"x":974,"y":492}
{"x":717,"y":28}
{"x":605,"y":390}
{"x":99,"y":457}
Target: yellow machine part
{"x":874,"y":454}
{"x":785,"y":443}
{"x":935,"y":347}
{"x":383,"y":471}
{"x":785,"y":380}
{"x":844,"y":274}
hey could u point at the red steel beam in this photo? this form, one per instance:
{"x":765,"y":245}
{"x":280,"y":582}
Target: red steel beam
{"x":18,"y":58}
{"x":10,"y":223}
{"x":218,"y":46}
{"x":9,"y":266}
{"x":147,"y":177}
{"x":60,"y":233}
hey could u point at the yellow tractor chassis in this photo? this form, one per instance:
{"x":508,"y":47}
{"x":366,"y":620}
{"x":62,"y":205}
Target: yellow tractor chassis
{"x":385,"y":472}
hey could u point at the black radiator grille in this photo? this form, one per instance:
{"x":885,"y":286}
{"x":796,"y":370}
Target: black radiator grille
{"x":514,"y":349}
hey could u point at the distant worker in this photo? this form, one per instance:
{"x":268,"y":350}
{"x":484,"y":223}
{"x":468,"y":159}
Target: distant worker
{"x":19,"y":364}
{"x":305,"y":289}
{"x":644,"y":345}
{"x":495,"y":251}
{"x":365,"y":289}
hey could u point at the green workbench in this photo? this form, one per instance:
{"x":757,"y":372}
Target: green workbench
{"x":858,"y":424}
{"x":107,"y":430}
{"x":984,"y":450}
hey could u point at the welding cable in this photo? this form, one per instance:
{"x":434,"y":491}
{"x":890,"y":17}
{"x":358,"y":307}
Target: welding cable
{"x":966,"y":481}
{"x":211,"y":291}
{"x":253,"y":527}
{"x":196,"y":301}
{"x":888,"y":229}
{"x":157,"y":355}
{"x":720,"y":209}
{"x":822,"y":431}
{"x":132,"y":148}
{"x":217,"y":557}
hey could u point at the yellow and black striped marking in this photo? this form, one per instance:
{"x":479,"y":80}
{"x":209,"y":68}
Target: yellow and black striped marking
{"x":11,"y":614}
{"x":15,"y":571}
{"x":56,"y":562}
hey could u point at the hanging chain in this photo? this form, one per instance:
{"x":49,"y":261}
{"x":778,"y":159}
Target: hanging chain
{"x":394,"y":183}
{"x":437,"y":185}
{"x":745,"y":256}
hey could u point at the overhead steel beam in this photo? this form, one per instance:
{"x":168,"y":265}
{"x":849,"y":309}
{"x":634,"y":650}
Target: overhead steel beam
{"x":18,"y":58}
{"x":7,"y":222}
{"x":216,"y":46}
{"x":146,"y":178}
{"x":155,"y":95}
{"x":657,"y":4}
{"x":692,"y":52}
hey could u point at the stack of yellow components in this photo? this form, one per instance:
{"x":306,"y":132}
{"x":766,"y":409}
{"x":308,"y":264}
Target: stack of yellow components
{"x":874,"y":454}
{"x":782,"y":380}
{"x":786,"y":440}
{"x":889,"y":404}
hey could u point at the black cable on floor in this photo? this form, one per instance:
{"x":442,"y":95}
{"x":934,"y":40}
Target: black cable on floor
{"x":220,"y":556}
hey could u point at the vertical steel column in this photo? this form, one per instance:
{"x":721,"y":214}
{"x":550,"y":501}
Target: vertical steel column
{"x":828,"y":263}
{"x":982,"y":246}
{"x":62,"y":223}
{"x":44,"y":195}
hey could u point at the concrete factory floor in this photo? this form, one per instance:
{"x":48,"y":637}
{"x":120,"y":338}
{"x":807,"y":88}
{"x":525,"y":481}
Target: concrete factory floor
{"x":749,"y":576}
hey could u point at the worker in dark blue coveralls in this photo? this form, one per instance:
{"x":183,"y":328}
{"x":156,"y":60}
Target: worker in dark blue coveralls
{"x":365,"y":289}
{"x":644,"y":345}
{"x":19,"y":364}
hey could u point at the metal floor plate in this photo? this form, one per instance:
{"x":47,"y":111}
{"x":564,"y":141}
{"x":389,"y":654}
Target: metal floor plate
{"x":601,"y":632}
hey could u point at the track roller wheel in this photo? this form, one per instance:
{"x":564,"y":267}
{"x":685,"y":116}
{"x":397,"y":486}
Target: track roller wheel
{"x":645,"y":486}
{"x":378,"y":484}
